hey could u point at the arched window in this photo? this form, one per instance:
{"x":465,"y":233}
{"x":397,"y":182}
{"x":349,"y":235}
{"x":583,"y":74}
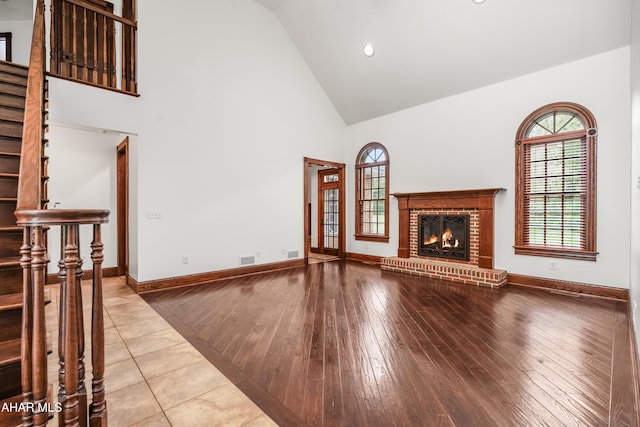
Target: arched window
{"x":556,"y":183}
{"x":372,"y":195}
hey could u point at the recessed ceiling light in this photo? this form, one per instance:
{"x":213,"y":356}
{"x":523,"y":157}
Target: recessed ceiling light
{"x":478,"y":1}
{"x":368,"y":50}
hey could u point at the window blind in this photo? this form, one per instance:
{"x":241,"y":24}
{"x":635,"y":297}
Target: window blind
{"x":555,"y":192}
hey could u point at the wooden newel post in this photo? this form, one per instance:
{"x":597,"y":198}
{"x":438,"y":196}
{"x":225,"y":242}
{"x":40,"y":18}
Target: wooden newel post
{"x":98,"y":408}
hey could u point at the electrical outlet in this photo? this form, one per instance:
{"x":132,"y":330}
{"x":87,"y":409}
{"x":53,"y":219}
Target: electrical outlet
{"x":154,"y":215}
{"x":553,"y":265}
{"x":185,"y":259}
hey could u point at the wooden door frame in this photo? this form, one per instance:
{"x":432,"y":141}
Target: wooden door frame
{"x":341,"y":167}
{"x":122,"y":205}
{"x":7,"y":51}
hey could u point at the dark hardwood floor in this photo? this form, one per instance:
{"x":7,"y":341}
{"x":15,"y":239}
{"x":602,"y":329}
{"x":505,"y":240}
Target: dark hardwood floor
{"x":344,"y":344}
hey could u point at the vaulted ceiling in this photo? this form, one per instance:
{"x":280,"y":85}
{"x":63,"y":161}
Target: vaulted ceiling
{"x":430,"y":49}
{"x":16,"y":10}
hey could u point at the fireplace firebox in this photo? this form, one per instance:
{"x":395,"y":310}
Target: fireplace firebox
{"x":444,"y":236}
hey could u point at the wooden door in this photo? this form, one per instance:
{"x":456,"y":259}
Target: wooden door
{"x":329,"y":211}
{"x":122,"y":173}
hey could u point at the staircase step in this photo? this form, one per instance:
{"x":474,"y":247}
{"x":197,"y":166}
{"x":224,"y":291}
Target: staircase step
{"x":7,"y":214}
{"x":13,"y":68}
{"x":11,"y":128}
{"x":11,"y":72}
{"x":11,"y":114}
{"x":7,"y":209}
{"x":11,"y":323}
{"x":10,"y":302}
{"x":14,"y":301}
{"x":10,"y":243}
{"x":11,"y":279}
{"x":10,"y":77}
{"x":12,"y":89}
{"x":9,"y":162}
{"x":8,"y":185}
{"x":9,"y":229}
{"x":9,"y":352}
{"x":15,"y":101}
{"x":12,"y":418}
{"x":10,"y":261}
{"x":10,"y":145}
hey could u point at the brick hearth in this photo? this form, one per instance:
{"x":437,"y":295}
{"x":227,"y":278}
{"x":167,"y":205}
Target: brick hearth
{"x":452,"y":271}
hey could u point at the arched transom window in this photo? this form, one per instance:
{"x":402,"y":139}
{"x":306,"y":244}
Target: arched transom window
{"x":555,"y":183}
{"x":372,"y":195}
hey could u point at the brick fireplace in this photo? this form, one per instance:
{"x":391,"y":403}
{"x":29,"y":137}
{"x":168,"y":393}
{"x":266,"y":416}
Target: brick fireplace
{"x":418,"y":210}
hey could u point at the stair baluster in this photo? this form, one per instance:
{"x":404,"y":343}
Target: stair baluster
{"x":27,"y":316}
{"x":39,"y":334}
{"x":98,"y":408}
{"x":70,"y":400}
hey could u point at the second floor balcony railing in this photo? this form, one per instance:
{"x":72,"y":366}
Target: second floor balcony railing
{"x":91,"y":44}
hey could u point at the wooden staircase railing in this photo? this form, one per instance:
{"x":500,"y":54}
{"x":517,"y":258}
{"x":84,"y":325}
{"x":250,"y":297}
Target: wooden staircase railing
{"x":30,"y":184}
{"x":72,"y":397}
{"x":83,"y":43}
{"x":72,"y":392}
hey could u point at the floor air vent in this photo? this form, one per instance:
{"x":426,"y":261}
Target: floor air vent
{"x":248,"y":259}
{"x":292,"y":254}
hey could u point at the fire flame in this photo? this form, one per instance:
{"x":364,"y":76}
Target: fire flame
{"x":448,"y":241}
{"x":432,"y":239}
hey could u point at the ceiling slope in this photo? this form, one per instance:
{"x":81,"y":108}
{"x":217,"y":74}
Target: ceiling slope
{"x":430,"y":49}
{"x":16,"y":10}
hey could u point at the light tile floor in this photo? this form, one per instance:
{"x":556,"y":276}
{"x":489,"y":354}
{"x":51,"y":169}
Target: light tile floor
{"x":153,"y":376}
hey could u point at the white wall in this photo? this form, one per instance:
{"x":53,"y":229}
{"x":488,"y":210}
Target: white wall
{"x":82,"y":175}
{"x":21,"y":32}
{"x":467,"y":141}
{"x":635,"y":167}
{"x":227,"y":112}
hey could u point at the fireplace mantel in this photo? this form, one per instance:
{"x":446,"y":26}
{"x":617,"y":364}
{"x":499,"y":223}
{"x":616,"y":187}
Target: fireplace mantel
{"x":480,"y":199}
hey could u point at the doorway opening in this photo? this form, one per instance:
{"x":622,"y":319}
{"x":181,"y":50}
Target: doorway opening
{"x":324,"y":210}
